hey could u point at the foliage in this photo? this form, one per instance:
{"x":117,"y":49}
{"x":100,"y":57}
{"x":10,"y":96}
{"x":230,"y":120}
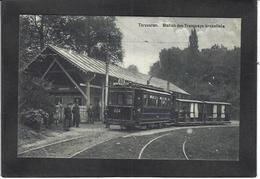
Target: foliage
{"x":97,"y":36}
{"x":33,"y":94}
{"x":34,"y":118}
{"x":207,"y":74}
{"x":193,"y":40}
{"x":133,"y":68}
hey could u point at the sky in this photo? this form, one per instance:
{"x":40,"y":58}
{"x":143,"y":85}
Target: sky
{"x":144,"y":37}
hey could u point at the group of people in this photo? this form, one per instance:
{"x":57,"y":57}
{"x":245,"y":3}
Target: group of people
{"x":71,"y":114}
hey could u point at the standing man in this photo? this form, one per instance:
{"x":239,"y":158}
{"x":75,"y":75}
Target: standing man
{"x":76,"y":115}
{"x":67,"y":117}
{"x":59,"y":112}
{"x":96,"y":112}
{"x":90,"y":114}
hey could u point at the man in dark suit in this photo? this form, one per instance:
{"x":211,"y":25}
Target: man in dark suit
{"x":67,"y":117}
{"x":76,"y":115}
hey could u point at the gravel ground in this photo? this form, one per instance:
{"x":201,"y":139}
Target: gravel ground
{"x":220,"y":143}
{"x":90,"y":135}
{"x":95,"y":142}
{"x":67,"y":149}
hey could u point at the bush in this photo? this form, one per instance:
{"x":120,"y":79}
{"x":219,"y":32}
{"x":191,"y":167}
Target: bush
{"x":34,"y":118}
{"x":33,"y":94}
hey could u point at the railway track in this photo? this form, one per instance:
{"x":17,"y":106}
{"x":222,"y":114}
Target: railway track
{"x":66,"y":148}
{"x":72,"y":147}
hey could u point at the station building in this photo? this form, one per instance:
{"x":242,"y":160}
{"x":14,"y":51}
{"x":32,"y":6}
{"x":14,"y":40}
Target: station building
{"x":77,"y":77}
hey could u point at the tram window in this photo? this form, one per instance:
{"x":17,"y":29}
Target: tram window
{"x":168,"y":102}
{"x":112,"y":98}
{"x":145,"y":100}
{"x":215,"y":111}
{"x":153,"y":100}
{"x":223,"y":111}
{"x":120,"y":99}
{"x":163,"y":101}
{"x":129,"y":99}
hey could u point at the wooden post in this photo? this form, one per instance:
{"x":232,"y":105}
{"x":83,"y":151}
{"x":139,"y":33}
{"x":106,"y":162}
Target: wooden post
{"x":102,"y":102}
{"x":88,"y":96}
{"x":106,"y":83}
{"x":88,"y":93}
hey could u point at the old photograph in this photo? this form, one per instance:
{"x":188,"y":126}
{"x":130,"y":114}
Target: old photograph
{"x":129,"y":87}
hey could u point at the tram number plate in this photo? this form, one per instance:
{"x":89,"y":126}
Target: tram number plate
{"x":116,"y":110}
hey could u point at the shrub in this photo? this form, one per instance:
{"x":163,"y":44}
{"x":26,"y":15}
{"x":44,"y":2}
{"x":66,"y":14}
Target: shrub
{"x":33,"y":94}
{"x":34,"y":118}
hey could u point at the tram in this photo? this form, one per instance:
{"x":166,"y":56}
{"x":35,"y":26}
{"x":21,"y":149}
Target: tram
{"x":137,"y":105}
{"x":188,"y":112}
{"x":132,"y":105}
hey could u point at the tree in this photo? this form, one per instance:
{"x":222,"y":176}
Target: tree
{"x":97,"y":36}
{"x":193,"y":40}
{"x":32,"y":94}
{"x":133,"y":69}
{"x":209,"y":74}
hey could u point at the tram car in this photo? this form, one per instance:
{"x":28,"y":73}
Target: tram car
{"x":132,"y":105}
{"x":139,"y":106}
{"x":188,"y":112}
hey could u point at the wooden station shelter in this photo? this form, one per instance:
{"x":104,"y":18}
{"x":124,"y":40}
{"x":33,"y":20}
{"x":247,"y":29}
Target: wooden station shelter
{"x":77,"y":77}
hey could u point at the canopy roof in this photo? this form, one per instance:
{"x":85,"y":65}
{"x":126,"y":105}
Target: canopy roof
{"x":87,"y":64}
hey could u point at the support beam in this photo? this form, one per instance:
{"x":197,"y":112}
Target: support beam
{"x":48,"y":69}
{"x":87,"y":80}
{"x":106,"y":83}
{"x":88,"y":95}
{"x":102,"y":102}
{"x":72,"y":80}
{"x":95,"y":86}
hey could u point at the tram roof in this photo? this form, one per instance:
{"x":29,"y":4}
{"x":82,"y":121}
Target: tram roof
{"x":87,"y":64}
{"x":147,"y":88}
{"x":216,"y":102}
{"x":189,"y":100}
{"x":155,"y":91}
{"x":197,"y":101}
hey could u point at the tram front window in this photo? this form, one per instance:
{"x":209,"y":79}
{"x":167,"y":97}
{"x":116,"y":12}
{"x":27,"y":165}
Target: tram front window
{"x":120,"y":98}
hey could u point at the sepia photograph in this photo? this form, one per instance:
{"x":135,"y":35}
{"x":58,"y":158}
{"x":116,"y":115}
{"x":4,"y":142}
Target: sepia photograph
{"x":129,"y":87}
